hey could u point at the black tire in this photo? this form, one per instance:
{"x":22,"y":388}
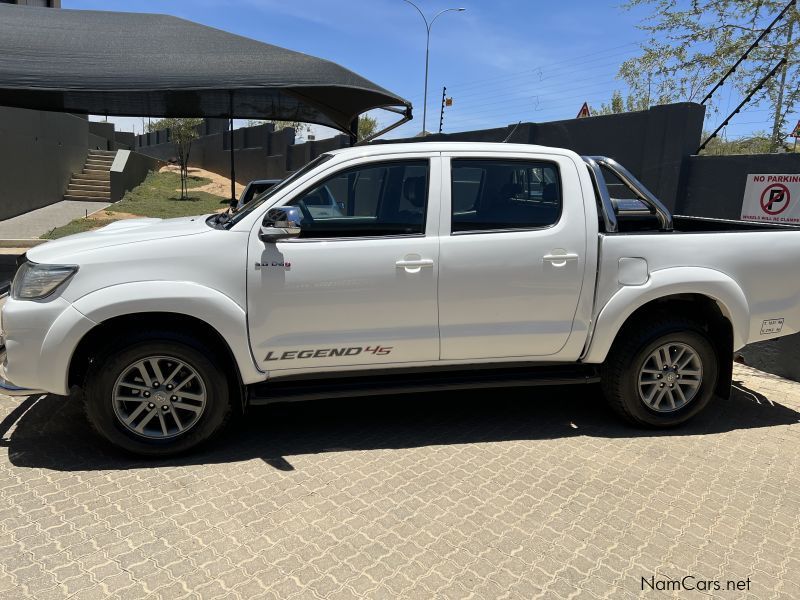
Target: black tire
{"x":109,"y":364}
{"x":636,"y":342}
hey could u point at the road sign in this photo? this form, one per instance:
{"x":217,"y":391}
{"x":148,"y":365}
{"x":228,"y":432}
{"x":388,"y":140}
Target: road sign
{"x":772,"y":197}
{"x":796,"y":132}
{"x":584,"y":111}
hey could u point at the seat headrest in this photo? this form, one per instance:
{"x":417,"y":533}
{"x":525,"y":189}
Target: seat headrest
{"x":414,"y":191}
{"x":550,"y":192}
{"x":509,"y":190}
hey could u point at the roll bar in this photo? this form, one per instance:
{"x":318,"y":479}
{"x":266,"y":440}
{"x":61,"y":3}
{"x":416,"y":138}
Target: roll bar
{"x":595,"y":164}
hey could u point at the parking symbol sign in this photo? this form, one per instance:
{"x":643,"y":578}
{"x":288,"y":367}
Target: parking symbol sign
{"x":772,"y":197}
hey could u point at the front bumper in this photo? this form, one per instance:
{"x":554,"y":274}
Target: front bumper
{"x":6,"y":387}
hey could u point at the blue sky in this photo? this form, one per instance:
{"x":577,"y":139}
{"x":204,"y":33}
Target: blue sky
{"x":502,"y":60}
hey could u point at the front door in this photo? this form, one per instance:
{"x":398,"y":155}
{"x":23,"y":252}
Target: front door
{"x":512,"y":256}
{"x":359,"y":286}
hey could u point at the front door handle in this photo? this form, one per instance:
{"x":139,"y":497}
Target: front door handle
{"x":414,"y":264}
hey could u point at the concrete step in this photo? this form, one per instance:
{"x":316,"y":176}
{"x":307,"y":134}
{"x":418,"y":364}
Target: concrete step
{"x":88,"y":192}
{"x":111,"y":153}
{"x":79,"y":180}
{"x":91,"y":162}
{"x":76,"y":186}
{"x":94,"y":176}
{"x":101,"y":173}
{"x":82,"y":198}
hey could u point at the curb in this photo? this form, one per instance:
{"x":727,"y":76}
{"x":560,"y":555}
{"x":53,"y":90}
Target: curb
{"x":24,"y":243}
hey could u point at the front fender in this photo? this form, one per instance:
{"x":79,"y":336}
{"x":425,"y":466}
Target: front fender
{"x":186,"y":298}
{"x":667,"y":282}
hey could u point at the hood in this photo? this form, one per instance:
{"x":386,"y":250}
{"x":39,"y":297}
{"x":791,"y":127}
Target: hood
{"x":126,"y":231}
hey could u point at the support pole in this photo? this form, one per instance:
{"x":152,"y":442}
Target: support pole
{"x":742,"y":103}
{"x":234,"y":200}
{"x":441,"y":114}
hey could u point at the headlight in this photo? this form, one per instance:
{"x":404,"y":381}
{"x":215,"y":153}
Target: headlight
{"x":34,"y":281}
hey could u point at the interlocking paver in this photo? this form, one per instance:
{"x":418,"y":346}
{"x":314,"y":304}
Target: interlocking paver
{"x":433,"y":496}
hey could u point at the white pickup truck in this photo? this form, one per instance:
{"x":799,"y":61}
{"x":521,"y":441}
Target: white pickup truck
{"x":446,"y":265}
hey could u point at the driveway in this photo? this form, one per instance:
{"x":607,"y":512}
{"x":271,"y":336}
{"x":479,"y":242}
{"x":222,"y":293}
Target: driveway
{"x":535,"y":493}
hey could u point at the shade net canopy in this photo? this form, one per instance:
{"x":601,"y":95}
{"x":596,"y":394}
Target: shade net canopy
{"x":135,"y":64}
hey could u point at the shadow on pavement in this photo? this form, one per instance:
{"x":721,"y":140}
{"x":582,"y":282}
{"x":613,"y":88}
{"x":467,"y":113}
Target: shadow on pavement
{"x":51,"y":432}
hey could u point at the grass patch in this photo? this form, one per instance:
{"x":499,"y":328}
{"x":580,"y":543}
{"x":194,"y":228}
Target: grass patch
{"x":76,"y":226}
{"x":157,"y":196}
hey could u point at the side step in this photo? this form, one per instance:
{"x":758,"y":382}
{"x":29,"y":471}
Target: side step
{"x":410,"y":382}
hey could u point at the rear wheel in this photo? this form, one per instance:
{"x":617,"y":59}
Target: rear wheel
{"x":661,"y":372}
{"x":157,"y":396}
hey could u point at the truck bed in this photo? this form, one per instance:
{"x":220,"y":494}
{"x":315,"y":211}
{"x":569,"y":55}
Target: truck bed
{"x":689,"y":224}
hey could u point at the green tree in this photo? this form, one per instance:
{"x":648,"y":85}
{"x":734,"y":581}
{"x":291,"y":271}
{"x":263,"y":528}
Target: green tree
{"x":693,"y":43}
{"x":366,"y":126}
{"x":759,"y":142}
{"x":619,"y":104}
{"x":182,"y":132}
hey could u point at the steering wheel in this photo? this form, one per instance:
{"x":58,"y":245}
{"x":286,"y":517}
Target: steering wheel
{"x":301,"y":204}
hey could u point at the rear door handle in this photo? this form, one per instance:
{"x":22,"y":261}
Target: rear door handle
{"x":560,"y":257}
{"x":414,"y":264}
{"x":559,"y":260}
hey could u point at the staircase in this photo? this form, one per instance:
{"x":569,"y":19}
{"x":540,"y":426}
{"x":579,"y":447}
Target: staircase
{"x":93,"y":184}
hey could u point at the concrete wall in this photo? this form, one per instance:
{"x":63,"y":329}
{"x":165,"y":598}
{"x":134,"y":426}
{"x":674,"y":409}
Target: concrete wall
{"x":715,"y":184}
{"x":128,"y":170}
{"x":38,"y":153}
{"x":103,"y":136}
{"x":653,"y":144}
{"x":259,"y":151}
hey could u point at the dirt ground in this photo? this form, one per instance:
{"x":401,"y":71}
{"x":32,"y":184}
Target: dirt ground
{"x":221,"y":186}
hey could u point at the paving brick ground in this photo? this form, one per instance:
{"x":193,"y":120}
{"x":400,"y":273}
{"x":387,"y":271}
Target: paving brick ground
{"x":539,"y":493}
{"x":36,"y":223}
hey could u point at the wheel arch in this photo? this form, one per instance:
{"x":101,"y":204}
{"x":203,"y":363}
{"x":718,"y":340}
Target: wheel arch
{"x":709,"y":296}
{"x":204,"y":312}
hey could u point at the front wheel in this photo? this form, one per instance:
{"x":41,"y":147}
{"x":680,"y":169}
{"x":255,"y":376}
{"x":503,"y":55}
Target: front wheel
{"x":157,"y":397}
{"x":661,"y":372}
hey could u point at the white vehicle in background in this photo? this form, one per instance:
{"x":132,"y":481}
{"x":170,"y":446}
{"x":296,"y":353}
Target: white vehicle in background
{"x":253,"y":190}
{"x":399,"y":268}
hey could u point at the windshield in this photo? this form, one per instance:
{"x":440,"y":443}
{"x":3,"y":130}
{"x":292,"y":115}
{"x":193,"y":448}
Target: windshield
{"x":259,"y":200}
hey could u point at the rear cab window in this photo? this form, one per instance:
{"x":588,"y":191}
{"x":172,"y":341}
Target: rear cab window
{"x":504,"y":194}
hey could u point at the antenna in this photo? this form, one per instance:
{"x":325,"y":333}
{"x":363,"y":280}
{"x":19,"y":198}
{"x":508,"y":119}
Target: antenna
{"x":513,"y":131}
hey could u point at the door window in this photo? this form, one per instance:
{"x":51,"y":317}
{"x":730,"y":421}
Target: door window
{"x":504,"y":194}
{"x":379,"y":199}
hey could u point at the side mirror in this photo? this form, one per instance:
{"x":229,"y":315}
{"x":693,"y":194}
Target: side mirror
{"x":281,"y":224}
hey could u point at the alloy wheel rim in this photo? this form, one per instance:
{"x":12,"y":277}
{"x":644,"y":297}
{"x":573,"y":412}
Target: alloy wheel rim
{"x":670,"y":377}
{"x":159,"y":397}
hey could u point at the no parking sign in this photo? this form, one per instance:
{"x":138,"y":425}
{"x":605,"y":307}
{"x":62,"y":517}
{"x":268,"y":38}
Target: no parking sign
{"x":772,"y":198}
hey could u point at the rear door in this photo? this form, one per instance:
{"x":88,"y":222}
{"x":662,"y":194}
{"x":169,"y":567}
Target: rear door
{"x":512,"y":255}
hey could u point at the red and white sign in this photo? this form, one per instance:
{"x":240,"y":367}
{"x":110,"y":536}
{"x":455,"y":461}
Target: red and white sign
{"x":584,"y":111}
{"x":772,"y":197}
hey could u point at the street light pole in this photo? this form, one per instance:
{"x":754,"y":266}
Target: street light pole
{"x":428,"y":26}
